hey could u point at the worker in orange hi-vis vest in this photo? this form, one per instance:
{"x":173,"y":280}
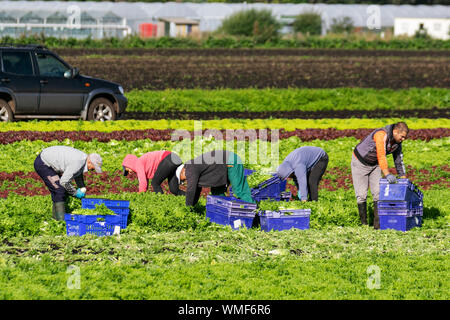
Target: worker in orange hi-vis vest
{"x":369,"y":161}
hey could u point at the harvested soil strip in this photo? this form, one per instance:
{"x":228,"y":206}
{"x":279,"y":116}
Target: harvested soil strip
{"x":76,"y":52}
{"x":166,"y":135}
{"x":30,"y":184}
{"x":434,"y":113}
{"x":237,"y":72}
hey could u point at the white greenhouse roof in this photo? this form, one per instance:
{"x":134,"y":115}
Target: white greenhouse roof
{"x":210,"y":15}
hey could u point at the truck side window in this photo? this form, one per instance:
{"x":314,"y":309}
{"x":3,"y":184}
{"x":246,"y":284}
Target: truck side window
{"x":49,"y":66}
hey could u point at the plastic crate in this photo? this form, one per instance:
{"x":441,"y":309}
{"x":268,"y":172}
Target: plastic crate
{"x":279,"y":220}
{"x":108,"y":203}
{"x":230,"y":202}
{"x":248,"y":172}
{"x":100,"y":225}
{"x":284,"y":196}
{"x":220,"y":215}
{"x":399,"y":205}
{"x":399,"y":222}
{"x":121,"y":207}
{"x":403,"y":190}
{"x":272,"y":187}
{"x":276,"y":193}
{"x":401,"y":212}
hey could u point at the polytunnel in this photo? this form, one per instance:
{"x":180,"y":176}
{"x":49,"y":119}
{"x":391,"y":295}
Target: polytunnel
{"x":100,"y":19}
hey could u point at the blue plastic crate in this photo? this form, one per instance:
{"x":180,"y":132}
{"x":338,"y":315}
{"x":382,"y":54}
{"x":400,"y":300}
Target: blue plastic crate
{"x":100,"y":225}
{"x":220,"y":216}
{"x":279,"y":220}
{"x":248,"y":172}
{"x":232,"y":211}
{"x":399,"y":222}
{"x":273,"y":192}
{"x":399,"y":205}
{"x":121,"y":207}
{"x":108,"y":203}
{"x":272,"y":187}
{"x":230,"y":202}
{"x":403,"y":190}
{"x":124,"y":211}
{"x":401,"y":212}
{"x":284,"y":196}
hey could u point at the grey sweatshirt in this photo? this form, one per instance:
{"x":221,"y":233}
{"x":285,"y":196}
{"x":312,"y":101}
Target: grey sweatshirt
{"x":300,"y":161}
{"x":69,"y":162}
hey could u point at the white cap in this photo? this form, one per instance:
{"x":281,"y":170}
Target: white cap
{"x":96,"y":161}
{"x":178,"y":172}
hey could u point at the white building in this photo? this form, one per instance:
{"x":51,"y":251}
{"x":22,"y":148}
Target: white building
{"x":438,"y":28}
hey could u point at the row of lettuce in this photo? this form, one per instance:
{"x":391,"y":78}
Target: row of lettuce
{"x":149,"y":212}
{"x":223,"y":124}
{"x":420,"y":154}
{"x":335,"y":178}
{"x":273,"y":100}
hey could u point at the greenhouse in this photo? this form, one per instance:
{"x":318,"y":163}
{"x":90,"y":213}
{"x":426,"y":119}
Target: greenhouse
{"x":119,"y":19}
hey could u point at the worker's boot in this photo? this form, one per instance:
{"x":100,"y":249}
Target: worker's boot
{"x":376,"y":217}
{"x":59,"y":210}
{"x":362,"y":208}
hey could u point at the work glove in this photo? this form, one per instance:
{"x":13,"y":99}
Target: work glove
{"x":391,"y":178}
{"x":80,"y":194}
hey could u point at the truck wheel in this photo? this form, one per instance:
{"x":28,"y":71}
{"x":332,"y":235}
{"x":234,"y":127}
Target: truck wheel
{"x":6,"y":114}
{"x":101,"y":109}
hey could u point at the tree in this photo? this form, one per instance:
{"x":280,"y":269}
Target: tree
{"x":309,"y":23}
{"x":342,"y":25}
{"x":259,"y":24}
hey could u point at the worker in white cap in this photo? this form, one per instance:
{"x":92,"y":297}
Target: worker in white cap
{"x":58,"y":166}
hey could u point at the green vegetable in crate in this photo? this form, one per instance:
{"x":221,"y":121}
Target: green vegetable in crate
{"x":270,"y":205}
{"x":72,"y":204}
{"x":256,"y":178}
{"x":99,"y":210}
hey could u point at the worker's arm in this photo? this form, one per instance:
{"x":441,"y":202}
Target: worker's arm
{"x":79,"y":180}
{"x":398,"y":160}
{"x":69,"y":174}
{"x":301,"y":175}
{"x":380,"y":142}
{"x":192,"y":189}
{"x":142,"y":177}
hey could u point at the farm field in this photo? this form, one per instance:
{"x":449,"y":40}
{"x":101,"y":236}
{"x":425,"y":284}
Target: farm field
{"x":325,"y":98}
{"x":191,"y":69}
{"x":152,"y":256}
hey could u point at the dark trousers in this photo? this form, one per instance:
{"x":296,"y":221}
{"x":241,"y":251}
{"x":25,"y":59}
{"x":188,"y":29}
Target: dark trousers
{"x":314,"y":176}
{"x":167,"y":170}
{"x":51,"y":180}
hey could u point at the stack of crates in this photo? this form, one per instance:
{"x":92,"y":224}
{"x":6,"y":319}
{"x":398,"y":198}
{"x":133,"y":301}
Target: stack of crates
{"x":400,"y":205}
{"x":229,"y":211}
{"x":100,"y":225}
{"x":285,"y":219}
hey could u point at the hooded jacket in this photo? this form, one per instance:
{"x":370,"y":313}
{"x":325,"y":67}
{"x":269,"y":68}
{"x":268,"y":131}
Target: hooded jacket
{"x":145,"y":166}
